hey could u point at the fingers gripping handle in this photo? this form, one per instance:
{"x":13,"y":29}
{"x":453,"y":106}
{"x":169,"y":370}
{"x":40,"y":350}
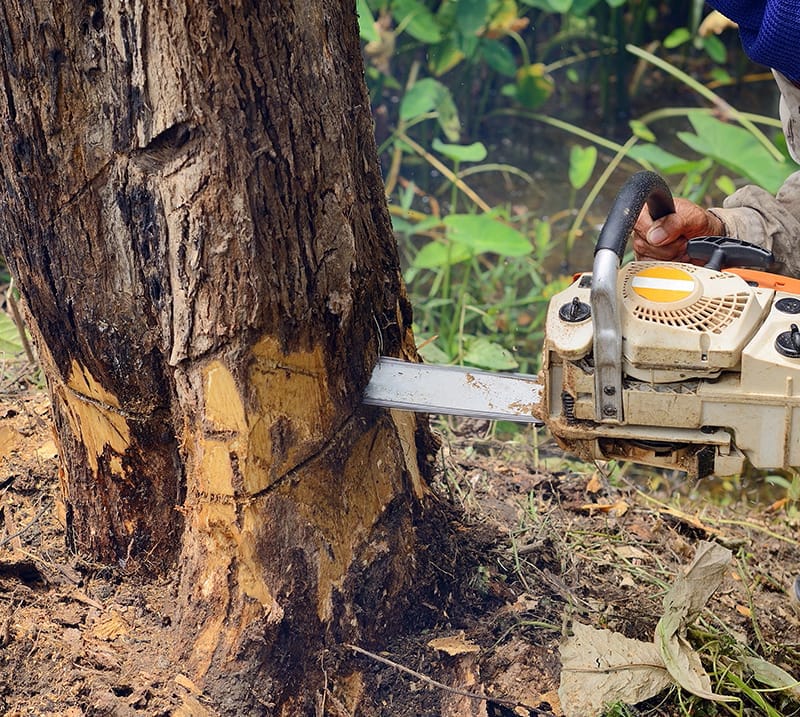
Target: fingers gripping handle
{"x":642,"y":188}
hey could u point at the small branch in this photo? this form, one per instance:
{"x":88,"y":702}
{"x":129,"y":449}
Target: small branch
{"x":26,"y":528}
{"x":441,"y":685}
{"x":20,"y":324}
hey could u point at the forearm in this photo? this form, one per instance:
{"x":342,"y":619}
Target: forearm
{"x":753,"y":214}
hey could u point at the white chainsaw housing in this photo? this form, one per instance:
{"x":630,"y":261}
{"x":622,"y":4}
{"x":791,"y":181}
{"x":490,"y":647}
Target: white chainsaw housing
{"x":703,"y":383}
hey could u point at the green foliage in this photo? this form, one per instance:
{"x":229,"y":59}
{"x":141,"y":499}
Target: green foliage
{"x":480,"y":276}
{"x":10,"y":342}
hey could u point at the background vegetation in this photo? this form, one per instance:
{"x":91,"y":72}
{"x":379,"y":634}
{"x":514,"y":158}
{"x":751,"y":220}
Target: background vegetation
{"x":505,"y":127}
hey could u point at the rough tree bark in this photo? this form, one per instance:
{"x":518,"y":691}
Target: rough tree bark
{"x":192,"y":207}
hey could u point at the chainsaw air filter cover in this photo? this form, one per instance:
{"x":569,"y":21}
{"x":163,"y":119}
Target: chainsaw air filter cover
{"x":682,"y":321}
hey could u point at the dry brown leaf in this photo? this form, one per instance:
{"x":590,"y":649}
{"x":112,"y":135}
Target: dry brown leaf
{"x":599,"y":667}
{"x":685,"y":599}
{"x":110,"y":627}
{"x":595,"y":484}
{"x":631,"y":552}
{"x":454,"y":645}
{"x":10,"y":441}
{"x":47,"y":450}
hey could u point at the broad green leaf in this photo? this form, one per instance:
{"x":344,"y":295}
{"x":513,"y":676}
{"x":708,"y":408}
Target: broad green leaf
{"x":735,"y":148}
{"x":615,"y":3}
{"x":560,"y":6}
{"x":436,"y":255}
{"x":426,"y":224}
{"x":499,"y":57}
{"x":677,"y":37}
{"x":642,"y":131}
{"x":773,"y":676}
{"x":10,"y":342}
{"x":418,"y":21}
{"x":471,"y":15}
{"x":581,"y":164}
{"x":486,"y":354}
{"x":533,"y":87}
{"x":582,"y":7}
{"x":366,"y":23}
{"x":715,"y":48}
{"x":428,"y":95}
{"x":423,"y":96}
{"x":481,"y":233}
{"x":664,"y":161}
{"x":401,"y":226}
{"x":475,"y":152}
{"x":433,"y":354}
{"x":444,"y":57}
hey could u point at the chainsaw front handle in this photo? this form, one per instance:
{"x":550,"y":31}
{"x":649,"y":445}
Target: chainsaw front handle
{"x":642,"y":188}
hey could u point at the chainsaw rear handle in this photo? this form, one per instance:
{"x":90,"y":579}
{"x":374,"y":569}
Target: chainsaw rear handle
{"x":642,"y":188}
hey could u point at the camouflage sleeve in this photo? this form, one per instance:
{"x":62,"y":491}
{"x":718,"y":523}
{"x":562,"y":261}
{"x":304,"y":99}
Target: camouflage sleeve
{"x":755,"y":215}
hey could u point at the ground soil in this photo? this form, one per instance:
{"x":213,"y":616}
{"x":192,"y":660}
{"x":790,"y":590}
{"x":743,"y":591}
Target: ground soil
{"x":553,"y":542}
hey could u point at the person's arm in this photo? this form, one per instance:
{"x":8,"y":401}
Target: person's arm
{"x":754,"y":215}
{"x":751,"y":214}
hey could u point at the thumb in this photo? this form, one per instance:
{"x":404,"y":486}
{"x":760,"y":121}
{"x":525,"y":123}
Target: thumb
{"x":657,"y":234}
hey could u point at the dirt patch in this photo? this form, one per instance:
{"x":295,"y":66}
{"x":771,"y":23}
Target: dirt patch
{"x":551,"y":543}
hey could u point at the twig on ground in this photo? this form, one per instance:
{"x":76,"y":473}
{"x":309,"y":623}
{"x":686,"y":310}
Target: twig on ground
{"x":441,"y":685}
{"x":25,"y":528}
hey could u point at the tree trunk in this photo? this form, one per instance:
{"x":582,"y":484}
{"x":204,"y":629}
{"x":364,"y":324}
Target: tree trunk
{"x":193,"y":210}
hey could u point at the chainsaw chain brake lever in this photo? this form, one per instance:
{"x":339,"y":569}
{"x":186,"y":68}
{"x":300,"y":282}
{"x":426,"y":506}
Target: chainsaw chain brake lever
{"x":642,"y":188}
{"x":719,"y":253}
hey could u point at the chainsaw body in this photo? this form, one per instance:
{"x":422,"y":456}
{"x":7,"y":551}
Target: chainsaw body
{"x":672,"y":364}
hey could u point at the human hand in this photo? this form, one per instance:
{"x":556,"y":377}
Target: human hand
{"x":665,"y":239}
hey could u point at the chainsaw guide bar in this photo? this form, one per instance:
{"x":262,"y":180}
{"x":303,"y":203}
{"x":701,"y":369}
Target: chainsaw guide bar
{"x":454,"y":391}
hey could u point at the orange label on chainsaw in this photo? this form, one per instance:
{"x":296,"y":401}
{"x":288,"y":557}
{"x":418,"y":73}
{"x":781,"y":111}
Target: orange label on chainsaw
{"x":663,"y":284}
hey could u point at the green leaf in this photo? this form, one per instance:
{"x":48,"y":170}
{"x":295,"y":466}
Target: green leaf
{"x":444,"y":57}
{"x":559,"y":6}
{"x":499,"y":57}
{"x":715,"y":49}
{"x":428,"y":95}
{"x":677,"y":37}
{"x":433,"y":354}
{"x":642,"y":131}
{"x":486,"y":354}
{"x":481,"y":233}
{"x":615,"y":3}
{"x":471,"y":15}
{"x":366,"y":23}
{"x":533,"y":87}
{"x":475,"y":152}
{"x":581,"y":164}
{"x":423,"y":96}
{"x":664,"y":161}
{"x":419,"y":22}
{"x":10,"y":342}
{"x":581,"y":8}
{"x":725,"y":184}
{"x":773,"y":676}
{"x":436,"y":255}
{"x":736,"y":148}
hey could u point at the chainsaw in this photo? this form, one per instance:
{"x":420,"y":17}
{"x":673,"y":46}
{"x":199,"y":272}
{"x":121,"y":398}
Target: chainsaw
{"x":687,"y":366}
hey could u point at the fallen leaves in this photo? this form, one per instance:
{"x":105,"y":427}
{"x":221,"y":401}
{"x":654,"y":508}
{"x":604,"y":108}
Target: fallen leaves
{"x":600,"y":667}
